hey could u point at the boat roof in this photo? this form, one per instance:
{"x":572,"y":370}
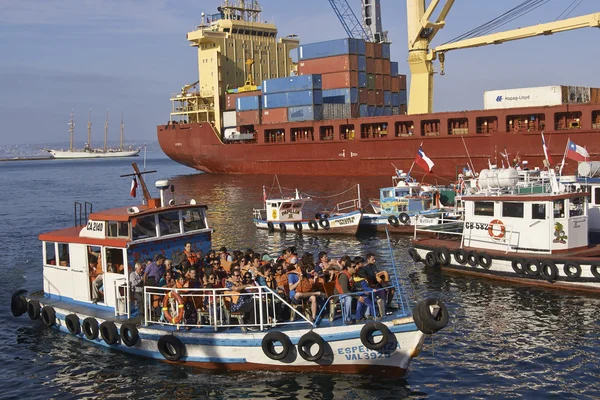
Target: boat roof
{"x":124,"y":214}
{"x":525,"y":197}
{"x":71,"y":235}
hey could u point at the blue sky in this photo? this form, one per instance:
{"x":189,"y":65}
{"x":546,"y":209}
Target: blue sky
{"x":63,"y":55}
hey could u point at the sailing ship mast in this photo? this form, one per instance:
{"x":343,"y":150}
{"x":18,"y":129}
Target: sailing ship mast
{"x":105,"y":131}
{"x":71,"y":129}
{"x":89,"y":142}
{"x":122,"y":129}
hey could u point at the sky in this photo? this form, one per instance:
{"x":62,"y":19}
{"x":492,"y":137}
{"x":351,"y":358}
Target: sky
{"x":59,"y":56}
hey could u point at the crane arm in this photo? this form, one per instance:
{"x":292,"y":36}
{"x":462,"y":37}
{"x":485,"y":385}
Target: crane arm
{"x":585,"y":21}
{"x":349,"y":20}
{"x":427,"y":28}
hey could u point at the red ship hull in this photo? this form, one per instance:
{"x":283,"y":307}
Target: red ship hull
{"x":449,"y":139}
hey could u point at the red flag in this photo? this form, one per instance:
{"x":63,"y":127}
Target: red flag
{"x":423,"y":161}
{"x":132,"y":191}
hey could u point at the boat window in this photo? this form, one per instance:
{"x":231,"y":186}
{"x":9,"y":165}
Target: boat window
{"x":50,"y":253}
{"x":118,"y":229}
{"x":326,"y":133}
{"x":143,"y":227}
{"x":347,"y":132}
{"x":193,"y":219}
{"x":386,"y":193}
{"x":168,"y":223}
{"x":538,"y":211}
{"x":286,"y":206}
{"x":576,"y":207}
{"x":559,"y":208}
{"x":302,"y":135}
{"x":63,"y":251}
{"x":484,"y":208}
{"x":226,"y":30}
{"x":114,"y":260}
{"x":405,"y":128}
{"x":514,"y":210}
{"x":597,"y":195}
{"x":234,"y":30}
{"x":297,"y":205}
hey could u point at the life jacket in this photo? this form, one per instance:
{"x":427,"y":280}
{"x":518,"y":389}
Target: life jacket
{"x":282,"y":280}
{"x":305,"y":285}
{"x":338,"y":287}
{"x":192,"y":257}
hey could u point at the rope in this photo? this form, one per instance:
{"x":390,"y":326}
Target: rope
{"x":329,"y":197}
{"x":566,"y":9}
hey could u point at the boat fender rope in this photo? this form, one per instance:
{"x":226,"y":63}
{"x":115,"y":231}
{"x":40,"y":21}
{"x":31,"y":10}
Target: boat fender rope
{"x":268,"y":345}
{"x":366,"y":335}
{"x":306,"y":342}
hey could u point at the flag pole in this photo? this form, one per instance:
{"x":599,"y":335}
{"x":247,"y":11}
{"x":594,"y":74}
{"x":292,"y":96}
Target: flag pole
{"x":413,"y":163}
{"x":562,"y":164}
{"x":468,"y":155}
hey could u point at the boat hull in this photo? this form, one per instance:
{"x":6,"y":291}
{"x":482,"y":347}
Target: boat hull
{"x":59,"y":154}
{"x":346,"y":224}
{"x":381,"y":223}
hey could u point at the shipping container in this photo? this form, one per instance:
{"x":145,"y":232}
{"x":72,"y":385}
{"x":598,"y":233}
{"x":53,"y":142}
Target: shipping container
{"x":341,"y":111}
{"x":229,"y":119}
{"x":248,"y":103}
{"x":387,"y":111}
{"x":371,"y":111}
{"x":371,"y":99}
{"x":370,"y":82}
{"x":378,"y":66}
{"x":535,"y":97}
{"x":394,"y":68}
{"x":275,"y":116}
{"x":595,"y":96}
{"x":395,"y":110}
{"x":385,"y":51}
{"x":362,"y":63}
{"x":340,"y":96}
{"x":378,"y":50}
{"x":305,"y":113}
{"x":378,"y":82}
{"x":370,"y":65}
{"x":395,"y":84}
{"x":330,"y":48}
{"x":370,"y":50}
{"x":387,"y":82}
{"x":362,"y":79}
{"x":340,"y":80}
{"x":248,"y":117}
{"x":379,"y":98}
{"x":363,"y":96}
{"x":395,"y":100}
{"x":361,"y":47}
{"x":402,"y":81}
{"x":363,"y":111}
{"x":292,"y":99}
{"x":403,"y":110}
{"x":379,"y":111}
{"x":387,"y":66}
{"x":292,"y":84}
{"x":387,"y":98}
{"x":403,"y":98}
{"x":231,"y":99}
{"x":329,"y":65}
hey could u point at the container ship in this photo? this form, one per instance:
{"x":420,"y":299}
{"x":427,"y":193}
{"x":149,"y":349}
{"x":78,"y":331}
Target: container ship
{"x":341,"y":109}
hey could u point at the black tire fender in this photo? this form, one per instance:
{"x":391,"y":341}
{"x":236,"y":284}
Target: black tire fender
{"x":270,"y":226}
{"x":460,"y":255}
{"x":518,"y":265}
{"x":171,"y":348}
{"x":268,"y":345}
{"x":129,"y":334}
{"x":414,"y":254}
{"x":472,"y":258}
{"x":18,"y":304}
{"x":443,"y":256}
{"x":430,"y":259}
{"x":73,"y":324}
{"x":282,"y":227}
{"x":404,"y":218}
{"x":393,"y":220}
{"x":324,"y":222}
{"x":549,"y":271}
{"x":366,"y":335}
{"x":306,"y":342}
{"x":533,"y":267}
{"x":313,"y":225}
{"x":298,"y":226}
{"x":594,"y":270}
{"x":33,"y":309}
{"x":90,"y":328}
{"x":431,"y":324}
{"x":109,"y":333}
{"x":48,"y":316}
{"x":567,"y":269}
{"x":484,"y":260}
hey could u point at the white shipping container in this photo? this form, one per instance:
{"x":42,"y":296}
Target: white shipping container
{"x":524,"y":97}
{"x":229,"y":119}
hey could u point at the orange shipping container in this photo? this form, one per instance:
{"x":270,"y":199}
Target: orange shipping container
{"x":231,"y":99}
{"x":338,"y":80}
{"x":595,"y":96}
{"x":387,"y":82}
{"x":370,"y":50}
{"x":328,"y":65}
{"x":248,"y":117}
{"x":402,"y":82}
{"x":363,"y":96}
{"x":387,"y":66}
{"x":378,"y":50}
{"x":371,"y":99}
{"x":379,"y":98}
{"x":395,"y":82}
{"x":370,"y":65}
{"x":275,"y":116}
{"x":378,"y":64}
{"x":378,"y":82}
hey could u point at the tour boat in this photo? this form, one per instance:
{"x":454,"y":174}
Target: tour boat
{"x":217,"y":338}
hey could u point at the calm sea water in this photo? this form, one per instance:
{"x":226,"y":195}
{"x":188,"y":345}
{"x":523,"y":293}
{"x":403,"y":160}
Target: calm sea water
{"x":502,"y":341}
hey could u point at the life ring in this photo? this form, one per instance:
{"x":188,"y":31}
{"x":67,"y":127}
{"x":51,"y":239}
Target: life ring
{"x":18,"y":304}
{"x":312,"y":224}
{"x":567,"y":269}
{"x":404,"y":218}
{"x":129,"y":334}
{"x":306,"y":342}
{"x":472,"y":258}
{"x":430,"y":259}
{"x":170,"y":347}
{"x":90,"y":328}
{"x":533,"y":267}
{"x":180,"y":307}
{"x":366,"y":335}
{"x":443,"y":256}
{"x":298,"y":226}
{"x":484,"y":260}
{"x":496,"y":222}
{"x":426,"y":322}
{"x":460,"y":255}
{"x":594,"y":270}
{"x":282,"y":227}
{"x":324,"y":222}
{"x":109,"y":333}
{"x":270,"y":226}
{"x":268,"y":345}
{"x":549,"y":271}
{"x":518,"y":265}
{"x":48,"y":316}
{"x":414,"y":254}
{"x":393,"y":220}
{"x":33,"y":309}
{"x":72,"y":323}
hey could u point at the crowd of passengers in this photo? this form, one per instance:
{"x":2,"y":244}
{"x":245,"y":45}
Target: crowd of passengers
{"x":364,"y":290}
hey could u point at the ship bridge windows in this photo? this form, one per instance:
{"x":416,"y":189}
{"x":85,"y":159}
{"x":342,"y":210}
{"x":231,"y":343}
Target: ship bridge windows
{"x":374,"y":131}
{"x":512,"y":210}
{"x":326,"y":133}
{"x":347,"y":132}
{"x":525,"y":123}
{"x":193,"y":219}
{"x":274,"y":135}
{"x":168,"y":223}
{"x":485,"y":208}
{"x":538,"y":211}
{"x":487,"y":124}
{"x":405,"y":128}
{"x":458,"y":126}
{"x":430,"y":127}
{"x":302,"y":135}
{"x":596,"y":119}
{"x":567,"y":120}
{"x":117,"y":229}
{"x":143,"y":227}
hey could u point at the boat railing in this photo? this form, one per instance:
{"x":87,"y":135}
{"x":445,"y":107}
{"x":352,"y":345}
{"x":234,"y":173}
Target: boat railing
{"x":260,"y":213}
{"x":347,"y":206}
{"x":122,"y":303}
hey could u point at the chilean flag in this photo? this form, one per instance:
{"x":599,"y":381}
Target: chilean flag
{"x":546,"y":151}
{"x":576,"y":152}
{"x":133,"y":189}
{"x":423,"y":161}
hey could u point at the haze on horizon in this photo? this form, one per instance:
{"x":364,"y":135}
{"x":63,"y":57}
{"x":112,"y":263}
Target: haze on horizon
{"x":71,"y":55}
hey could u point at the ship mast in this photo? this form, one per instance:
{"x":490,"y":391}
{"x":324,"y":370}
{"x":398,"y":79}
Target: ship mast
{"x":89,"y":142}
{"x":105,"y":131}
{"x":122,"y":129}
{"x":71,"y":129}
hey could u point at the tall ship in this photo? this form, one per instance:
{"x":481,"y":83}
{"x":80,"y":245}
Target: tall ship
{"x":88,"y":151}
{"x":341,"y":109}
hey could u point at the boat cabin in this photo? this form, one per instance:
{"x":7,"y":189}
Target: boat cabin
{"x":407,"y":195}
{"x":285,"y":209}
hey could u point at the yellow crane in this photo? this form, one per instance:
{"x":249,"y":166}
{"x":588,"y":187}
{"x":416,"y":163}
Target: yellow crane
{"x":186,"y":88}
{"x":422,"y":29}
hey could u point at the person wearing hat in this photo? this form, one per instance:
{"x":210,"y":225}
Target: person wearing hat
{"x":266,"y":259}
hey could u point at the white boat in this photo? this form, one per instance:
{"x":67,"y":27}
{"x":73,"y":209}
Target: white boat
{"x":218,"y":338}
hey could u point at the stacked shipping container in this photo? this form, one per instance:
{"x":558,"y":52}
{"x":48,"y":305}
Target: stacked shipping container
{"x":292,"y":99}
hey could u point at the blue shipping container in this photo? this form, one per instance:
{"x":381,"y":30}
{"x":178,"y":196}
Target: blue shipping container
{"x":379,"y":111}
{"x":292,"y":84}
{"x":305,"y":113}
{"x":387,"y":98}
{"x":371,"y":111}
{"x":394,"y":68}
{"x":329,"y":48}
{"x":362,"y":63}
{"x":362,"y":79}
{"x":385,"y":51}
{"x":292,"y":99}
{"x":363,"y":110}
{"x":387,"y":111}
{"x":403,"y":97}
{"x":361,"y":47}
{"x":395,"y":99}
{"x":248,"y":103}
{"x":340,"y":96}
{"x":276,"y":100}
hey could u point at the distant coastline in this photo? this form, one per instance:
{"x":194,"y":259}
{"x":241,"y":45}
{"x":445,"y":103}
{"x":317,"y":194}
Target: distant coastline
{"x":25,"y":158}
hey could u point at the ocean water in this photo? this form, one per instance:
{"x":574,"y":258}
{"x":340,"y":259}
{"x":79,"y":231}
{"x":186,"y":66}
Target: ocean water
{"x":502,"y":341}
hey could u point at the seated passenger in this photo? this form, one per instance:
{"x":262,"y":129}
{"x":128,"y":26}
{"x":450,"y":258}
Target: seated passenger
{"x":301,"y":289}
{"x":343,"y":285}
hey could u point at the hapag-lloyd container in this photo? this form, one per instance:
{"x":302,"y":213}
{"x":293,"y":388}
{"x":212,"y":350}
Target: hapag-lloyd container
{"x":275,"y":116}
{"x":292,"y":84}
{"x":340,"y":80}
{"x":305,"y":113}
{"x":331,"y":48}
{"x":340,"y":96}
{"x":535,"y":97}
{"x":248,"y":103}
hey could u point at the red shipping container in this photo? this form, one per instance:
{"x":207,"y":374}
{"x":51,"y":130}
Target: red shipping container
{"x":378,"y":82}
{"x":328,"y":65}
{"x":387,"y":82}
{"x":231,"y":99}
{"x":338,"y":80}
{"x":370,"y":65}
{"x":395,"y":82}
{"x":370,"y":47}
{"x":248,"y":117}
{"x":403,"y":109}
{"x":402,"y":82}
{"x":363,"y":97}
{"x":379,"y":98}
{"x":371,"y":99}
{"x":378,"y":50}
{"x":387,"y":67}
{"x":275,"y":116}
{"x":378,"y":66}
